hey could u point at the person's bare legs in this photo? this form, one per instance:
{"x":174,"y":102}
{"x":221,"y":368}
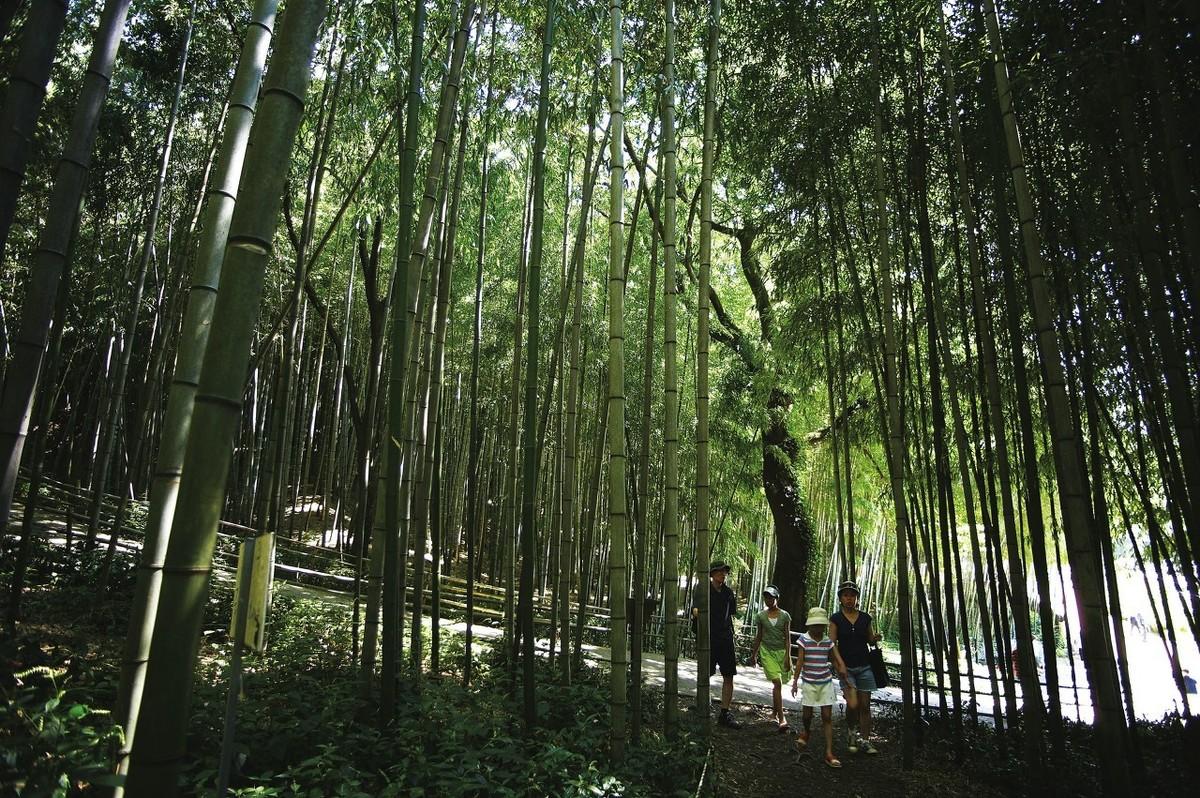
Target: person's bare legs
{"x":864,"y":714}
{"x":727,"y":692}
{"x":777,"y":700}
{"x":827,"y":723}
{"x":864,"y":721}
{"x":852,"y":721}
{"x":806,"y":714}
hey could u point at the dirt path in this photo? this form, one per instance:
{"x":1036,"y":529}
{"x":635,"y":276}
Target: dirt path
{"x":757,"y":760}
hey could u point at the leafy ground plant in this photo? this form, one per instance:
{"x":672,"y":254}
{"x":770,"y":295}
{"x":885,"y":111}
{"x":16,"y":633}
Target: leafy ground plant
{"x":56,"y":745}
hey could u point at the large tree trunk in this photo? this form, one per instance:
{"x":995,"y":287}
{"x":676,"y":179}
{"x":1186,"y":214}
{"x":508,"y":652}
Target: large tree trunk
{"x":793,"y":532}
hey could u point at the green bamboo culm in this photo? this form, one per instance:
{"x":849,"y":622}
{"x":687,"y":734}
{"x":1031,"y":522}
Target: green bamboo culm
{"x":703,"y":497}
{"x":1082,"y":547}
{"x":670,"y":583}
{"x":23,"y":103}
{"x":18,"y":121}
{"x":193,"y":340}
{"x":159,"y":748}
{"x":404,"y":293}
{"x":617,"y":518}
{"x":435,"y":192}
{"x":571,"y":479}
{"x":986,"y":347}
{"x":476,"y":432}
{"x":50,"y":258}
{"x":529,"y":455}
{"x":893,"y":426}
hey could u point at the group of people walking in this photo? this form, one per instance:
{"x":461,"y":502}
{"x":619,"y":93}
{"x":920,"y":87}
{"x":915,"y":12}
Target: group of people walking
{"x":839,"y":643}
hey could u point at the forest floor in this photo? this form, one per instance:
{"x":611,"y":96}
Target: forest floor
{"x":758,"y":760}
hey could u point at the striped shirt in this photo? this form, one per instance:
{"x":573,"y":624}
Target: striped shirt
{"x":817,"y":667}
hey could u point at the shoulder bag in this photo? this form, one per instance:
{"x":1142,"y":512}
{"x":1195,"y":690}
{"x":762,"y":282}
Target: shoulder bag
{"x":878,"y":668}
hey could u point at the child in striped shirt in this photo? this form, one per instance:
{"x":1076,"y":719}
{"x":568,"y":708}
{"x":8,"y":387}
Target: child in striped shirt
{"x":818,"y":657}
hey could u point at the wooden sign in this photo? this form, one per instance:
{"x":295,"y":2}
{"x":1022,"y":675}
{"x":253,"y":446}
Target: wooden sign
{"x":259,"y":552}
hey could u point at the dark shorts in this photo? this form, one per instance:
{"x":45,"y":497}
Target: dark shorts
{"x":860,"y":678}
{"x":722,"y":655}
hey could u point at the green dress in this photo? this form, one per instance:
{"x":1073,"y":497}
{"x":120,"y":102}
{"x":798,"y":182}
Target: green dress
{"x":773,"y":648}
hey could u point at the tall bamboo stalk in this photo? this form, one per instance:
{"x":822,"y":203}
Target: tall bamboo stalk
{"x":1077,"y":523}
{"x":485,"y":141}
{"x":50,"y":258}
{"x":670,"y":580}
{"x":618,"y":630}
{"x":893,"y":425}
{"x":403,"y":295}
{"x":157,"y":752}
{"x":116,"y":408}
{"x":703,"y":497}
{"x":23,"y":103}
{"x":529,"y":453}
{"x":206,"y":275}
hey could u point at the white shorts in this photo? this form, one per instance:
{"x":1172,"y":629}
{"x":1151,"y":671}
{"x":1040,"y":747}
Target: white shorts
{"x":817,"y":695}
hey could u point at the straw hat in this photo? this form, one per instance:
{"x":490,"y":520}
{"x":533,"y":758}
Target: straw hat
{"x":817,"y":616}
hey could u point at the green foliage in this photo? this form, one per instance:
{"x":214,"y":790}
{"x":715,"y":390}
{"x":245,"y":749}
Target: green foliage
{"x":304,"y":730}
{"x":56,"y":744}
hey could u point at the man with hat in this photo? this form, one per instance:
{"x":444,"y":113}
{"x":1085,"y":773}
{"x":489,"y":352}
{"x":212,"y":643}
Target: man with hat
{"x":852,"y":631}
{"x":722,"y":604}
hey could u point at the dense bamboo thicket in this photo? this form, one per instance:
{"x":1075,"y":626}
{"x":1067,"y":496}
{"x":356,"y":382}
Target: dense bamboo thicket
{"x":565,"y":300}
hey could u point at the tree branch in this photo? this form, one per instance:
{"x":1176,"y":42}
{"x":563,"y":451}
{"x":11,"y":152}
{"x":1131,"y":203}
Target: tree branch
{"x":758,"y":287}
{"x":732,"y":336}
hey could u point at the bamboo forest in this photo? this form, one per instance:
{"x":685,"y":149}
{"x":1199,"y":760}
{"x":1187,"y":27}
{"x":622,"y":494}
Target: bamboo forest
{"x":416,"y":398}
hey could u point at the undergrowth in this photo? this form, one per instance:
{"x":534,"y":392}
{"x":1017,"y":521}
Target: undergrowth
{"x":304,"y":729}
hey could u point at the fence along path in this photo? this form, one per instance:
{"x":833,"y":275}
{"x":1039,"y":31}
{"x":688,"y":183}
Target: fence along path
{"x":320,"y":569}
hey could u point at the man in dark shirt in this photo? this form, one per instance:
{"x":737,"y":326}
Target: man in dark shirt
{"x":722,"y":605}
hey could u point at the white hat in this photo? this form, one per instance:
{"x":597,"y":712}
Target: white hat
{"x":817,"y":616}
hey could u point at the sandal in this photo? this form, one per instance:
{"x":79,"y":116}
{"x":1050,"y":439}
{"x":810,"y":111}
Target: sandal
{"x":783,"y":727}
{"x":802,"y":741}
{"x":832,"y":761}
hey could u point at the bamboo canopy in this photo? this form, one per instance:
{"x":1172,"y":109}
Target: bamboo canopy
{"x":506,"y":319}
